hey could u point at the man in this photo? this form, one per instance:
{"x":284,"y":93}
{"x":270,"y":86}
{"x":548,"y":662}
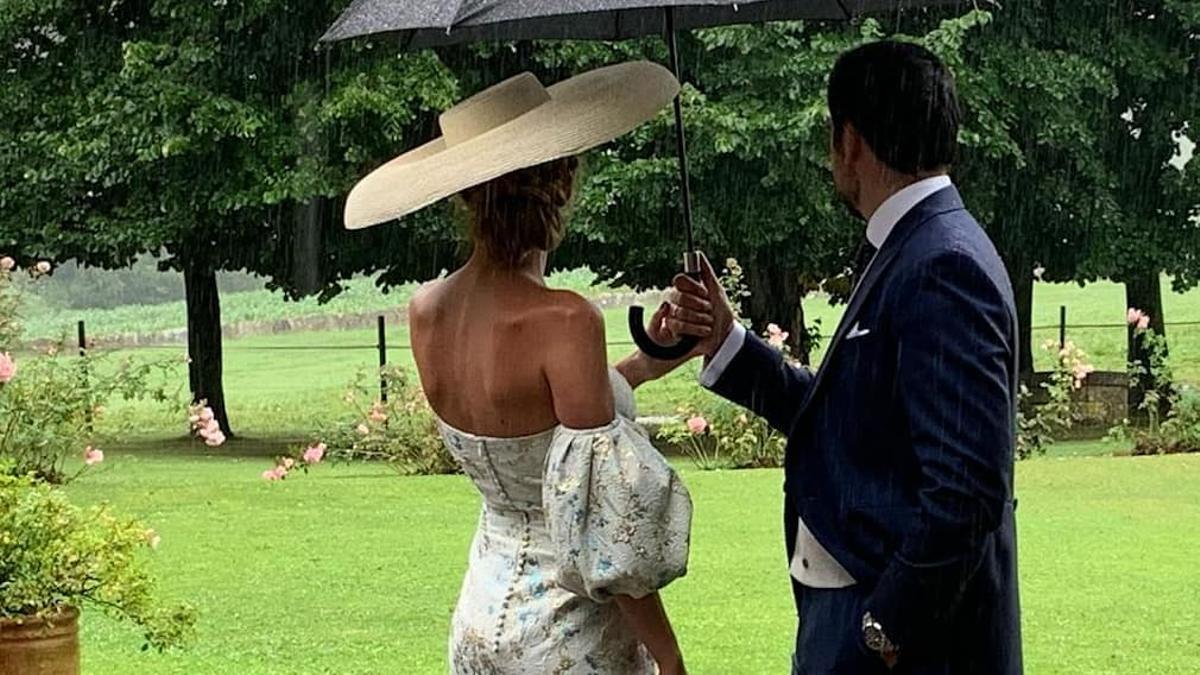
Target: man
{"x":899,"y":498}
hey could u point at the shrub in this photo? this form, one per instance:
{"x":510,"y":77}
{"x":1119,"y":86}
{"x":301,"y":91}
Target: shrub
{"x":54,"y":555}
{"x":722,"y":435}
{"x":1038,"y":425}
{"x":401,"y":432}
{"x":49,"y":405}
{"x":1180,"y":430}
{"x":50,"y":410}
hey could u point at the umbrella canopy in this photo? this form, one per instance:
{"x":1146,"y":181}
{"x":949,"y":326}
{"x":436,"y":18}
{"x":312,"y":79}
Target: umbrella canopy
{"x":429,"y":23}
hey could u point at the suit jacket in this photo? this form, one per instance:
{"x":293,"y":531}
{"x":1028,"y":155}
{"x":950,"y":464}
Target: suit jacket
{"x":900,"y":448}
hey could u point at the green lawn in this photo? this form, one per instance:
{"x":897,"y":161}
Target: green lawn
{"x":274,"y":390}
{"x":354,"y":570}
{"x":1102,"y":302}
{"x":276,"y":393}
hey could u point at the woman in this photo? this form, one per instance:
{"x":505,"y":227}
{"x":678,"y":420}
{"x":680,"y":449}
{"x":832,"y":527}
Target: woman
{"x":583,"y":521}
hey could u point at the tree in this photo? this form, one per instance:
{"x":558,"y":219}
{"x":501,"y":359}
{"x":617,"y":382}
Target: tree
{"x":1030,"y":171}
{"x":758,"y":140}
{"x":213,"y":132}
{"x":1153,"y":50}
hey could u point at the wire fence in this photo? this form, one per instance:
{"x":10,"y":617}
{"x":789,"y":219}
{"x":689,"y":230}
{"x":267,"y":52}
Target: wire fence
{"x":1109,"y":347}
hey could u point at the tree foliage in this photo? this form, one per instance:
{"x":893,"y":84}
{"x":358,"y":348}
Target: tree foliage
{"x":221,"y":135}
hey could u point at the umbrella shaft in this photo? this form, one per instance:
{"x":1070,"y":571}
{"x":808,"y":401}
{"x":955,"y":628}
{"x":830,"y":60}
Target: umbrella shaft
{"x":685,"y":189}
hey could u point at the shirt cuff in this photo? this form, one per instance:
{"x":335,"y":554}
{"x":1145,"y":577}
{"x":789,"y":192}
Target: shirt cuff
{"x":724,"y":356}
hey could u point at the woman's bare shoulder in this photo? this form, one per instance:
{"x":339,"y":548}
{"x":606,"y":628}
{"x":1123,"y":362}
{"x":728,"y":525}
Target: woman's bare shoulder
{"x":570,"y":312}
{"x":424,"y":303}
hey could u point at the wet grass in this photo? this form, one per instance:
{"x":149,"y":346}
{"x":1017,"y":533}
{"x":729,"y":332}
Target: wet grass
{"x":277,"y":385}
{"x":353,"y":570}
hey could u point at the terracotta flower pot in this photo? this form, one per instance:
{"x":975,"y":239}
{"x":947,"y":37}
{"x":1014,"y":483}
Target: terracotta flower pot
{"x":35,"y":647}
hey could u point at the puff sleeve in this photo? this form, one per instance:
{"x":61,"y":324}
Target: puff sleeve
{"x":619,"y":516}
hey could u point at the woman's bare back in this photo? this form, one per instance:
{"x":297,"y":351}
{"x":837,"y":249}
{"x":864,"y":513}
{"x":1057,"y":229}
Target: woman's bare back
{"x":501,"y":355}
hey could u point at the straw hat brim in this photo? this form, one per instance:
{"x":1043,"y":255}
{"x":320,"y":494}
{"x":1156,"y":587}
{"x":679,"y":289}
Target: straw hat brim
{"x":583,"y":112}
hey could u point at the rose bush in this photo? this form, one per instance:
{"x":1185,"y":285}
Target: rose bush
{"x":401,"y":432}
{"x":51,"y":405}
{"x":1039,"y":424}
{"x":717,"y":434}
{"x":1179,"y":430}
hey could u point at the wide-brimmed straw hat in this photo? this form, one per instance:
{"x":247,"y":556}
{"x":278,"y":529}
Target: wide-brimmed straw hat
{"x":513,"y":125}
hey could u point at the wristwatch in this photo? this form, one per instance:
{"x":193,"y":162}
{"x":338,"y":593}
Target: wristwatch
{"x":875,"y":638}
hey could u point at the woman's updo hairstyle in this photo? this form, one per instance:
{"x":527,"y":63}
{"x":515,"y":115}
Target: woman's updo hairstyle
{"x":521,"y":211}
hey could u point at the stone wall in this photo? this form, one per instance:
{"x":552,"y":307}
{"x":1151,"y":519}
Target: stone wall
{"x":1101,"y":403}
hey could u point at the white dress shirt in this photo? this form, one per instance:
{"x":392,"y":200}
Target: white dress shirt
{"x":812,"y":565}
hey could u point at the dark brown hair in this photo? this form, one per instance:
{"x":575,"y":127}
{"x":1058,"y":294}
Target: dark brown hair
{"x":521,"y":211}
{"x":902,"y":99}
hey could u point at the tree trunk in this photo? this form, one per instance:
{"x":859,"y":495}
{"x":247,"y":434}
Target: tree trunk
{"x":776,"y":297}
{"x":1144,"y":292}
{"x":1023,"y":296}
{"x":204,"y":340}
{"x":306,"y":246}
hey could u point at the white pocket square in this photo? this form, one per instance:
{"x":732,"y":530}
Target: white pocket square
{"x":856,"y":332}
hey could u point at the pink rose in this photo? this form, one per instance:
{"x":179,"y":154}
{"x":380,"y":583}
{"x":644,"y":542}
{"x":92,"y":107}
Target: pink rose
{"x":363,"y":429}
{"x":42,"y":268}
{"x":92,"y":456}
{"x":277,"y":473}
{"x":205,"y":414}
{"x":7,"y":264}
{"x":776,"y":336}
{"x":697,"y":424}
{"x":377,"y":414}
{"x":314,"y":454}
{"x":1134,"y":316}
{"x":8,"y":368}
{"x":1144,"y":322}
{"x":288,"y":462}
{"x":215,"y":439}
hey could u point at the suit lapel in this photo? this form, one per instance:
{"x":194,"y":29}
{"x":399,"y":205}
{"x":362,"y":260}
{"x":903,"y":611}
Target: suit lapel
{"x":940,"y":202}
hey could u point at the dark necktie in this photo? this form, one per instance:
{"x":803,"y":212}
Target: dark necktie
{"x":862,"y":258}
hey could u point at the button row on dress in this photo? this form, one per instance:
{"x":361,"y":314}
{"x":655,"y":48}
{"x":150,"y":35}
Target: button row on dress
{"x":522,"y":552}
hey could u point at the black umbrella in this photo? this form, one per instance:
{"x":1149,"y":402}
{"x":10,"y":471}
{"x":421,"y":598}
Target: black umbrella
{"x":429,"y":23}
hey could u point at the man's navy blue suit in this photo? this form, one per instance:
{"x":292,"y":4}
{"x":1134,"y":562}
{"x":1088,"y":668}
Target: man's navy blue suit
{"x":900,"y":454}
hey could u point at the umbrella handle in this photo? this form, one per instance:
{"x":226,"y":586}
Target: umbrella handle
{"x":637,"y":324}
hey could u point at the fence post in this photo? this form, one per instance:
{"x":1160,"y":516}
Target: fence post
{"x":382,"y":345}
{"x":81,"y":332}
{"x":1062,"y":327}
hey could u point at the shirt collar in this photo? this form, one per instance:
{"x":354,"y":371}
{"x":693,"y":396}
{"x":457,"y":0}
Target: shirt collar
{"x":899,"y":204}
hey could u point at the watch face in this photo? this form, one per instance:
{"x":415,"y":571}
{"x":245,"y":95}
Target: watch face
{"x":873,"y":638}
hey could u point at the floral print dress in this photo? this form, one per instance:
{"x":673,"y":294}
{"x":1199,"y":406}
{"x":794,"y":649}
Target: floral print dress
{"x":570,"y":518}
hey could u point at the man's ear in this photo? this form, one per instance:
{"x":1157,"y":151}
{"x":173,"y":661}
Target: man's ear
{"x":852,"y":144}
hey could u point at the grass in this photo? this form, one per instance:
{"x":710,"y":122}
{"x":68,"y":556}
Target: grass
{"x":1097,"y":303}
{"x":352,"y":570}
{"x":273,"y":388}
{"x":44,"y":320}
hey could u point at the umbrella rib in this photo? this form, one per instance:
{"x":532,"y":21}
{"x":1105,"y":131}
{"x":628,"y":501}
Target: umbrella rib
{"x":845,"y":11}
{"x":455,"y":17}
